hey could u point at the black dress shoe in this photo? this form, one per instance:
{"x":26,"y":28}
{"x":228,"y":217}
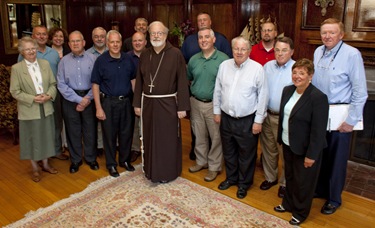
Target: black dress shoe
{"x":225,"y":185}
{"x":113,"y":172}
{"x":281,"y":192}
{"x":279,"y":208}
{"x":241,"y":193}
{"x":328,"y":209}
{"x":267,"y":184}
{"x":74,"y":167}
{"x":294,"y":221}
{"x":93,"y":165}
{"x":127,"y":166}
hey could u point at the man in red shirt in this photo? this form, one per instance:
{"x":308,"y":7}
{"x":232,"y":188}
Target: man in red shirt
{"x":263,"y":51}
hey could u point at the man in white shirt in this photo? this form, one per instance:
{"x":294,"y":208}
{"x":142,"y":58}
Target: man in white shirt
{"x":240,"y":105}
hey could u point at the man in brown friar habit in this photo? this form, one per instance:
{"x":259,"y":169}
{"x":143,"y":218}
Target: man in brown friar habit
{"x":161,"y":98}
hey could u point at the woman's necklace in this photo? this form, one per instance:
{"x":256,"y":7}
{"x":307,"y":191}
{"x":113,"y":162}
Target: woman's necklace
{"x":152,"y":79}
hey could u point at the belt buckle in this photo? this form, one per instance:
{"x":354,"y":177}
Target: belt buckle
{"x":121,"y":98}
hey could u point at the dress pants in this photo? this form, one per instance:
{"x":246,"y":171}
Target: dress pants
{"x":136,"y":144}
{"x":119,"y":123}
{"x":204,"y":128}
{"x":334,"y":164}
{"x":300,"y":183}
{"x":80,"y":128}
{"x":99,"y":143}
{"x":58,"y":116}
{"x":271,"y":150}
{"x":239,"y":149}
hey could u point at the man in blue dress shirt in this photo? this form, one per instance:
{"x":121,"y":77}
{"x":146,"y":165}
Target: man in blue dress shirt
{"x":74,"y":84}
{"x":99,"y":47}
{"x":279,"y":74}
{"x":340,"y":74}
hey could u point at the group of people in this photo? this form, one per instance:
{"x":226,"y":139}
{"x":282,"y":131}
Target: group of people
{"x":263,"y":93}
{"x":235,"y":93}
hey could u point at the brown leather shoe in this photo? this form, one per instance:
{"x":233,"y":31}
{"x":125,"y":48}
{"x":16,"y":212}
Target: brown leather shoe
{"x":36,"y":176}
{"x":61,"y":157}
{"x":50,"y":170}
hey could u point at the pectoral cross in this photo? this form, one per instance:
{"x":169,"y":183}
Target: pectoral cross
{"x":151,"y":85}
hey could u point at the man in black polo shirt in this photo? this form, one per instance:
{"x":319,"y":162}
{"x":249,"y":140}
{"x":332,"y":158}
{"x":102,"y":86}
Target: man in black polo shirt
{"x":112,"y":81}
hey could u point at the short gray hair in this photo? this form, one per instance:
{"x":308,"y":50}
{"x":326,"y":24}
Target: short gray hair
{"x":23,"y":41}
{"x":98,"y":28}
{"x":242,"y":39}
{"x":212,"y":33}
{"x":113,"y":32}
{"x":77,"y":32}
{"x":166,"y":30}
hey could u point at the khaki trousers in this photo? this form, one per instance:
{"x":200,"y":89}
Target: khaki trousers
{"x":203,"y":125}
{"x":271,"y":150}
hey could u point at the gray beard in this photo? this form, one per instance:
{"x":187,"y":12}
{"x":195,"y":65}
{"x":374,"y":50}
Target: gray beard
{"x":157,"y":43}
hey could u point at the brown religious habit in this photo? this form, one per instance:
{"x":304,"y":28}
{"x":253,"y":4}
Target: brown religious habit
{"x":161,"y":90}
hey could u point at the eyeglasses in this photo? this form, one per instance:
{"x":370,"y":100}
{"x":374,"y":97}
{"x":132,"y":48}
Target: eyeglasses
{"x":75,"y":41}
{"x":157,"y":33}
{"x":267,"y":30}
{"x":242,"y":50}
{"x":29,"y":50}
{"x":281,"y":51}
{"x":99,"y":37}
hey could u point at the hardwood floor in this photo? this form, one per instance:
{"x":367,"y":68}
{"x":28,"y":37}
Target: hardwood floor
{"x":19,"y":194}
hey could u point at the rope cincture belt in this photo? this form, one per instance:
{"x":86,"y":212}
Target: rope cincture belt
{"x":141,"y":119}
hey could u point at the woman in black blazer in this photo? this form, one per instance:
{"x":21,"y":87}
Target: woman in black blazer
{"x":302,"y":128}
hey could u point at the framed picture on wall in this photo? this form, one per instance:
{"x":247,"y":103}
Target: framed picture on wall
{"x":12,"y":12}
{"x":364,"y":16}
{"x":314,"y":12}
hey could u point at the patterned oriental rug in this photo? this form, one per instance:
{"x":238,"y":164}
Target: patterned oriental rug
{"x":133,"y":201}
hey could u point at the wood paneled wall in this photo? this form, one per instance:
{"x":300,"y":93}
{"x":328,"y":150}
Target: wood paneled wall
{"x":359,"y":27}
{"x":298,"y":19}
{"x":228,"y":16}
